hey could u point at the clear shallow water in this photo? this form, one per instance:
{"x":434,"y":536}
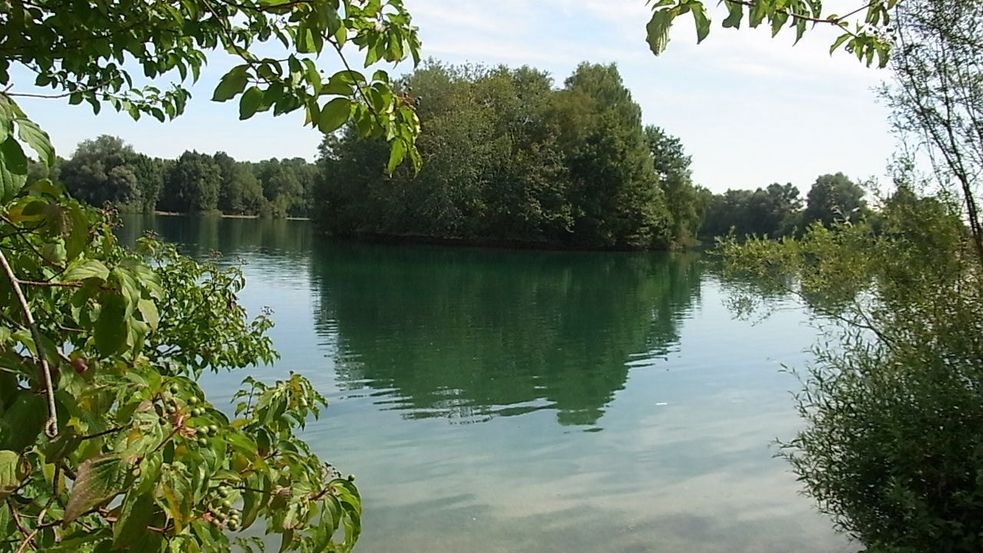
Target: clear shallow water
{"x":500,"y":401}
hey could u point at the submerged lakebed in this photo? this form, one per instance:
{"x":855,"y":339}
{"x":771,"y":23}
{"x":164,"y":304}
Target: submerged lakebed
{"x":497,"y":401}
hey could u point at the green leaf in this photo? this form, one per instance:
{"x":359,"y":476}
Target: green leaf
{"x":250,"y":102}
{"x":735,"y":13}
{"x":178,"y":495}
{"x":78,"y":233}
{"x":839,"y":41}
{"x":701,"y":20}
{"x":6,"y":119}
{"x":658,"y":29}
{"x":13,"y":470}
{"x":98,"y":480}
{"x":134,"y":517}
{"x":13,"y":168}
{"x":337,"y":86}
{"x":334,"y":114}
{"x":89,"y":268}
{"x":37,"y":139}
{"x":148,"y":310}
{"x":110,"y":329}
{"x":396,"y":153}
{"x":231,"y":84}
{"x":777,"y":21}
{"x":313,"y":76}
{"x":759,"y":10}
{"x":61,"y":445}
{"x":21,"y":424}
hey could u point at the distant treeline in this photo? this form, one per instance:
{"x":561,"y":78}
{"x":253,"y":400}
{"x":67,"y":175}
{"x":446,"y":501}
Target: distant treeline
{"x":508,"y":159}
{"x":106,"y":171}
{"x":778,"y":210}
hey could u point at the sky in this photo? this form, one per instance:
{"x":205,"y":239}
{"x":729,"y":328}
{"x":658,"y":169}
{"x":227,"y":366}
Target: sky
{"x":750,"y":110}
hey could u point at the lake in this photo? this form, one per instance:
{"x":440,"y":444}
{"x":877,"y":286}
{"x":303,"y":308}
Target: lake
{"x":516,"y":401}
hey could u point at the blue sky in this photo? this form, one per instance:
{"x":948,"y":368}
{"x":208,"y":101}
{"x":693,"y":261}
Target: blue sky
{"x":751,"y":110}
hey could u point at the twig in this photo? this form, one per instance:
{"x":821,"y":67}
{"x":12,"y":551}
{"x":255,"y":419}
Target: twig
{"x":51,"y":284}
{"x":50,"y":427}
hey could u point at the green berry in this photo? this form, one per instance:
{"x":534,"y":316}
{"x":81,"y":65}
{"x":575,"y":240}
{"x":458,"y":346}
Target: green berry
{"x":212,"y":430}
{"x":171,"y":408}
{"x":197,"y":412}
{"x":226,"y":503}
{"x":202,"y":442}
{"x":173,"y":389}
{"x":233,"y":525}
{"x":224,"y":492}
{"x":193,"y":400}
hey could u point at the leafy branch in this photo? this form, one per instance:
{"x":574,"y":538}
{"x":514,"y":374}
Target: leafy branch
{"x":51,"y":426}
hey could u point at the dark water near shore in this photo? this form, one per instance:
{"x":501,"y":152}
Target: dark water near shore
{"x":494,"y":400}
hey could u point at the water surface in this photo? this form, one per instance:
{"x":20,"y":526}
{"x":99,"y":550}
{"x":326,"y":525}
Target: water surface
{"x":516,"y":401}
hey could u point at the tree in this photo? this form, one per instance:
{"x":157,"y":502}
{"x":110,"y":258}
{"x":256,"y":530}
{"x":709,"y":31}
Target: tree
{"x":672,"y":165}
{"x":192,"y":184}
{"x":770,"y":212}
{"x":832,"y":198}
{"x":892,"y":443}
{"x":230,"y":192}
{"x":287,"y":185}
{"x":149,"y":173}
{"x":507,"y":159}
{"x":101,"y":171}
{"x":108,"y":441}
{"x":938,"y":97}
{"x":614,"y":190}
{"x":894,"y":424}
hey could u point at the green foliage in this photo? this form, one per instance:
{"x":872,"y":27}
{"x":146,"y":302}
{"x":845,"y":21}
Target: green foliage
{"x":78,"y":51}
{"x":770,"y":212}
{"x":137,"y":458}
{"x":937,"y":96}
{"x":683,"y":199}
{"x":865,"y":31}
{"x":191,"y":184}
{"x":106,"y":440}
{"x":105,"y":170}
{"x":894,"y":410}
{"x":287,"y":185}
{"x":508,"y":158}
{"x":834,"y":198}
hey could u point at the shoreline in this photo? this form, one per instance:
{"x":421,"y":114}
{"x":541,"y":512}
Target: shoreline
{"x":225,"y":215}
{"x":423,"y":240}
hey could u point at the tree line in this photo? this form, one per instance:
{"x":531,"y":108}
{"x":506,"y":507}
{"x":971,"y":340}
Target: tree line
{"x":509,"y":158}
{"x":106,"y":170}
{"x":778,"y":210}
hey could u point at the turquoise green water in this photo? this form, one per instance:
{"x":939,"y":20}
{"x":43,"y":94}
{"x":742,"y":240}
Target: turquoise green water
{"x":493,"y":401}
